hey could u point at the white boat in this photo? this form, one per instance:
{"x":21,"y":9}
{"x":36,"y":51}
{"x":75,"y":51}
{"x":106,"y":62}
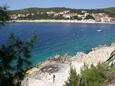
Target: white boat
{"x":99,"y":30}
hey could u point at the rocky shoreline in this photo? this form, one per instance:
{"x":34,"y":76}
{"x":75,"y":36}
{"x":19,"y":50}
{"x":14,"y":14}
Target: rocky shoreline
{"x":43,"y":74}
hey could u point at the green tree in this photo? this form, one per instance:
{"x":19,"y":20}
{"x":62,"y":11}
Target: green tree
{"x":92,"y":76}
{"x":76,"y":17}
{"x":14,"y":56}
{"x":73,"y":79}
{"x":3,"y":15}
{"x":89,"y":17}
{"x":15,"y":60}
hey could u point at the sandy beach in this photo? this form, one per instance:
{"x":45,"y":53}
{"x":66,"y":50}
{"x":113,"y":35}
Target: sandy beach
{"x":62,"y":21}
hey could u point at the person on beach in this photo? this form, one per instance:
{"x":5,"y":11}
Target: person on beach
{"x":53,"y":78}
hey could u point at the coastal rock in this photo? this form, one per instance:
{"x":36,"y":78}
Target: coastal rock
{"x":43,"y":75}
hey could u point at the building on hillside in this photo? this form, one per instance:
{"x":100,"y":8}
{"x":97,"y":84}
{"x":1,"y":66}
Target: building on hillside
{"x":106,"y":19}
{"x":102,"y":17}
{"x":64,"y":12}
{"x":32,"y":14}
{"x":70,"y":15}
{"x":57,"y":14}
{"x":113,"y":20}
{"x":83,"y":11}
{"x":13,"y":17}
{"x":85,"y":14}
{"x":50,"y":13}
{"x":67,"y":16}
{"x":79,"y":15}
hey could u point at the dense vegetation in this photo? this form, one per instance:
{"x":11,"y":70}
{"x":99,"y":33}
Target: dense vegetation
{"x":76,"y":17}
{"x":3,"y":15}
{"x":99,"y":75}
{"x":14,"y":56}
{"x":14,"y":60}
{"x":73,"y":79}
{"x":34,"y":10}
{"x":89,"y":17}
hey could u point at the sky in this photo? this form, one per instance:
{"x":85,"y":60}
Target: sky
{"x":20,"y":4}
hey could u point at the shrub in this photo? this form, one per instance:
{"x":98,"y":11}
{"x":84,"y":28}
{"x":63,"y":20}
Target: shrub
{"x":73,"y":79}
{"x":92,"y":76}
{"x":89,"y":17}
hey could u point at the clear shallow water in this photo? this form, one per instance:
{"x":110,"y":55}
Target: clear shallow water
{"x":60,"y":38}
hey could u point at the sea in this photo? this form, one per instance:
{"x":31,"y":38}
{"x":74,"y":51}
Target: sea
{"x":60,"y":38}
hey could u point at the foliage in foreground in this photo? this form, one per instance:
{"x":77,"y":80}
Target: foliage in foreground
{"x":73,"y":78}
{"x":92,"y":76}
{"x":14,"y":60}
{"x":3,"y":15}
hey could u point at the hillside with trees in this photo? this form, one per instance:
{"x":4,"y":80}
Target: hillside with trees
{"x":57,"y":13}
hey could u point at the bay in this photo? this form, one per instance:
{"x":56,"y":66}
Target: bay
{"x":60,"y":38}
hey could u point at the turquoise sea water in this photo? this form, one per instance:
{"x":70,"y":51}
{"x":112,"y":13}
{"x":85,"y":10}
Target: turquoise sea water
{"x":60,"y":38}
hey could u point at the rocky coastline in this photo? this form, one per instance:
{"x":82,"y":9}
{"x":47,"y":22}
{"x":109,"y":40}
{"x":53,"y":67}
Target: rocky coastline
{"x":43,"y":74}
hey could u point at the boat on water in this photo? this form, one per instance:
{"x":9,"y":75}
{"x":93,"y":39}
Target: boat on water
{"x":99,"y":30}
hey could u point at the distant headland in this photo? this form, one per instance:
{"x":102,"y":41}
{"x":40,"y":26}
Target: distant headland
{"x":105,"y":15}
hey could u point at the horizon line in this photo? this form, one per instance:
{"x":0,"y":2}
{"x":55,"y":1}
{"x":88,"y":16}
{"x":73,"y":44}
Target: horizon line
{"x":62,"y":7}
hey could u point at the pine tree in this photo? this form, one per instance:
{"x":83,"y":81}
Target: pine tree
{"x":15,"y":60}
{"x":73,"y":78}
{"x":14,"y":56}
{"x":3,"y":15}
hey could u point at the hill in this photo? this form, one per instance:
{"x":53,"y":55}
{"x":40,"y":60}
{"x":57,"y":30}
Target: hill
{"x":60,"y":13}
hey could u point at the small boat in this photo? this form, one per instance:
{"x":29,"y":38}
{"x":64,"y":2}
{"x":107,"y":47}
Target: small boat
{"x":99,"y":30}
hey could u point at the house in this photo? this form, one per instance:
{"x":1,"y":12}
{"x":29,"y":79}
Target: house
{"x":67,"y":16}
{"x":50,"y":13}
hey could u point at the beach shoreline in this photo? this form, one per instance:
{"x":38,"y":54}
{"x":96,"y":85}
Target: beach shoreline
{"x":61,"y":21}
